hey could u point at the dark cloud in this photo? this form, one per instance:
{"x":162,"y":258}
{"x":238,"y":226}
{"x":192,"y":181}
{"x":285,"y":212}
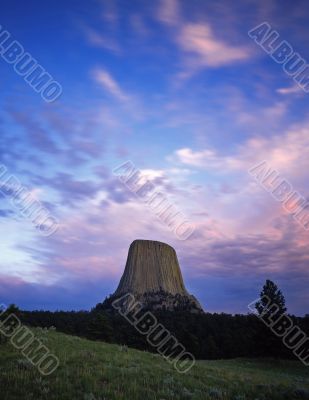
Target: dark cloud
{"x":6,"y":213}
{"x":240,"y":266}
{"x":70,"y":189}
{"x":80,"y":295}
{"x":37,"y":135}
{"x":118,"y":192}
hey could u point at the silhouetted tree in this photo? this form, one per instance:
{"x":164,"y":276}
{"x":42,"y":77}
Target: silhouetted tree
{"x":100,"y":327}
{"x":271,"y":295}
{"x":270,"y":307}
{"x":12,"y":309}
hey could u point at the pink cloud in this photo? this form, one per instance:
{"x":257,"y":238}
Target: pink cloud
{"x":169,"y":12}
{"x":283,"y":152}
{"x":198,"y":40}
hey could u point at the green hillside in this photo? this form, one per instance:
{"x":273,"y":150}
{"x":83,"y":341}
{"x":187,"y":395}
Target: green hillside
{"x":95,"y":371}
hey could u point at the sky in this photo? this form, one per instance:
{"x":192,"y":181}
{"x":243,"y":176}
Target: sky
{"x":182,"y":92}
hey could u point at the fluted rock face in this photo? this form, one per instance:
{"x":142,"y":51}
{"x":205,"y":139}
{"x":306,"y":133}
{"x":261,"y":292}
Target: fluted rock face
{"x":151,"y":266}
{"x":153,"y":275}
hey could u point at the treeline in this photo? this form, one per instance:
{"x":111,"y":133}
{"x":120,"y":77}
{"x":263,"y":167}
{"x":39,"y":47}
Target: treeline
{"x":206,"y":336}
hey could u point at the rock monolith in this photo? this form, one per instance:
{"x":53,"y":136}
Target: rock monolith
{"x":152,"y":274}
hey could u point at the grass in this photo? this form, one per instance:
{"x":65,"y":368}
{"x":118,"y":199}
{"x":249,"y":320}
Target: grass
{"x":99,"y":371}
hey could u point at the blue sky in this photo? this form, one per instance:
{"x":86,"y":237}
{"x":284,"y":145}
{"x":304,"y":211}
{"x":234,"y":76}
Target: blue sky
{"x":180,"y":90}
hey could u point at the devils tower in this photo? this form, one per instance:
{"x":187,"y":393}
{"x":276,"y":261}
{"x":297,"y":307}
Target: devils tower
{"x":152,"y":274}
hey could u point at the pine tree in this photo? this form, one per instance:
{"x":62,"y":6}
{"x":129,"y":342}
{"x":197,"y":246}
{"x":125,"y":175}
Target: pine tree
{"x":12,"y":309}
{"x":271,"y":304}
{"x":100,"y":327}
{"x":271,"y":295}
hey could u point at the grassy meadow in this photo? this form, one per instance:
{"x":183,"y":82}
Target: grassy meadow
{"x":98,"y":371}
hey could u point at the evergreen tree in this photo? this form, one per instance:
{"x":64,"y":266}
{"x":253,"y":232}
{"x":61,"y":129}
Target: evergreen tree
{"x":100,"y":327}
{"x":271,"y":306}
{"x":271,"y":295}
{"x":4,"y":313}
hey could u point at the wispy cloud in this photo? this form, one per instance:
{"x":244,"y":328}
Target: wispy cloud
{"x":169,"y":12}
{"x":101,"y":40}
{"x":284,"y":152}
{"x":290,"y":90}
{"x":208,"y":50}
{"x":105,"y":79}
{"x":201,"y":47}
